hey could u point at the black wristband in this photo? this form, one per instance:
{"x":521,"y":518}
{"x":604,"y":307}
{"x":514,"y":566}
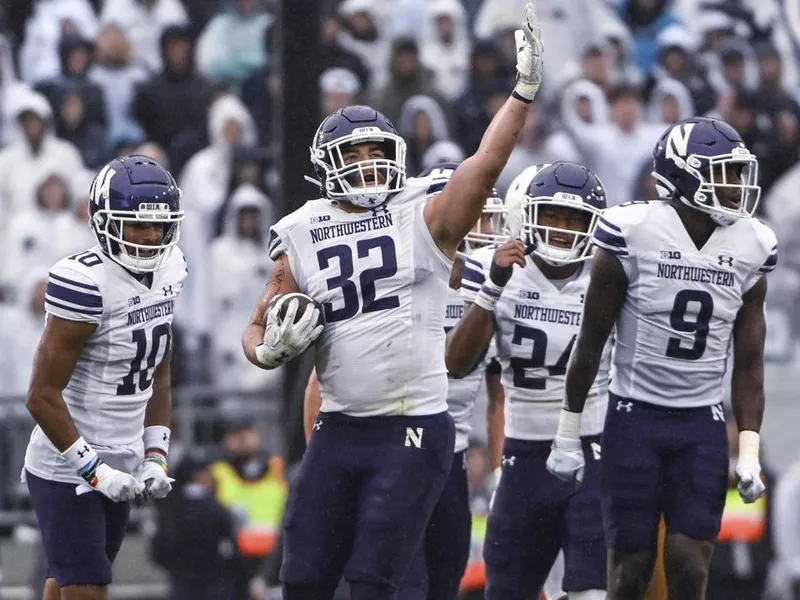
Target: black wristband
{"x":514,"y":94}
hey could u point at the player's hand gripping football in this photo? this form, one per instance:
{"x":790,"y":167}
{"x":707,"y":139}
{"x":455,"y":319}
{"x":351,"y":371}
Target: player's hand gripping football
{"x":566,"y":460}
{"x":283,"y":338}
{"x":529,"y":55}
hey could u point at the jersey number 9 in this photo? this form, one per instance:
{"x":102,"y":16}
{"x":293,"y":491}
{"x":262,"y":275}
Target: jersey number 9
{"x":699,"y":326}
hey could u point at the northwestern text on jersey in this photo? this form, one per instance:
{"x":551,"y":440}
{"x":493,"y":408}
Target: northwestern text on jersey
{"x":320,"y":234}
{"x":699,"y":274}
{"x":142,"y":315}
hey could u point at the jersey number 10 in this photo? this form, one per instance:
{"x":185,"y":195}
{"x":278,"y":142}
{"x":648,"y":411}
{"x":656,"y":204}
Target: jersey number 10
{"x":144,"y":361}
{"x":367,"y":278}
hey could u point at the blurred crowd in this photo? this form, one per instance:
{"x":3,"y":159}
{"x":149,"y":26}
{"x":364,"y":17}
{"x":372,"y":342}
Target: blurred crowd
{"x":195,"y":84}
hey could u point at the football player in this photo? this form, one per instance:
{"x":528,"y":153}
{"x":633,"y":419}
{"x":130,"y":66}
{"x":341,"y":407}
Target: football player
{"x":100,"y":389}
{"x":437,"y":569}
{"x":684,"y":282}
{"x":530,"y":299}
{"x":376,"y":256}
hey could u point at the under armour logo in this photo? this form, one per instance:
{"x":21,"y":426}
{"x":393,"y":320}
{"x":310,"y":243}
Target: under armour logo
{"x":626,"y":406}
{"x":317,"y":425}
{"x":718,"y":413}
{"x":724,"y":259}
{"x":84,"y":452}
{"x":508,"y":461}
{"x":164,"y":437}
{"x":167,"y":290}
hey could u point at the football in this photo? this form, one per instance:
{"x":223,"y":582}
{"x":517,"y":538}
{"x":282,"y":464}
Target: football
{"x":303,"y":302}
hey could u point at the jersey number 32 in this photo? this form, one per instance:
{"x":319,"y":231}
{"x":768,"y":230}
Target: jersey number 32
{"x":343,"y":253}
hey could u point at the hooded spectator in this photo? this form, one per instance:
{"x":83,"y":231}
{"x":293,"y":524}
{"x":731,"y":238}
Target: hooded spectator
{"x":143,"y":22}
{"x":118,"y":76}
{"x":676,"y":60}
{"x":670,"y":102}
{"x":362,"y":34}
{"x":172,"y":106}
{"x":338,"y":87}
{"x":35,"y":155}
{"x":445,"y":47}
{"x":51,"y":19}
{"x":204,"y":182}
{"x":422,"y":123}
{"x":239,"y":265}
{"x":407,"y":79}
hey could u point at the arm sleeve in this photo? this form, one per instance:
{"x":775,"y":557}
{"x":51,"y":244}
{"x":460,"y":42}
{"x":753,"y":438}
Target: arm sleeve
{"x":472,"y":279}
{"x":769,"y":243}
{"x":611,"y":234}
{"x":73,"y":295}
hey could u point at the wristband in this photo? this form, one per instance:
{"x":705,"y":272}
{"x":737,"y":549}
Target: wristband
{"x":84,"y":460}
{"x":489,"y":295}
{"x":516,"y":94}
{"x":498,"y":473}
{"x":156,"y":437}
{"x":155,"y":456}
{"x":749,"y":443}
{"x":569,"y":425}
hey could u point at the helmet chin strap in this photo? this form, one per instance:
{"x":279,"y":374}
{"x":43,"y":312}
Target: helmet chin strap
{"x":717,"y":216}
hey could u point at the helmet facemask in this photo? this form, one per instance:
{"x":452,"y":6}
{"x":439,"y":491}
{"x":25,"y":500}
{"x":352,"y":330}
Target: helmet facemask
{"x":714,"y":183}
{"x":110,"y":226}
{"x":494,"y":214}
{"x":364,"y":183}
{"x":559,"y":246}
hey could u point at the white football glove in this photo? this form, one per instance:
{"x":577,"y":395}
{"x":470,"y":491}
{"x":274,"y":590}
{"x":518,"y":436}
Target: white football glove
{"x":566,"y":460}
{"x":157,"y":484}
{"x":116,"y":485}
{"x":748,"y":471}
{"x":283,"y":340}
{"x":529,"y":55}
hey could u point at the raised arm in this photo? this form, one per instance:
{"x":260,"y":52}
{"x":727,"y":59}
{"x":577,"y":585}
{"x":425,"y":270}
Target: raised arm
{"x":452,"y":213}
{"x":747,"y":387}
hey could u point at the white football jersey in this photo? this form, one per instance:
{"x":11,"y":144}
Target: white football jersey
{"x":674,"y":333}
{"x":383,"y":283}
{"x":463,"y":392}
{"x":536,"y":327}
{"x":112,"y":382}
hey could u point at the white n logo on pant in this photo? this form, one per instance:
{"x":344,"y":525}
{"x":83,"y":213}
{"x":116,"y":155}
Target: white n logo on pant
{"x":414,"y":437}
